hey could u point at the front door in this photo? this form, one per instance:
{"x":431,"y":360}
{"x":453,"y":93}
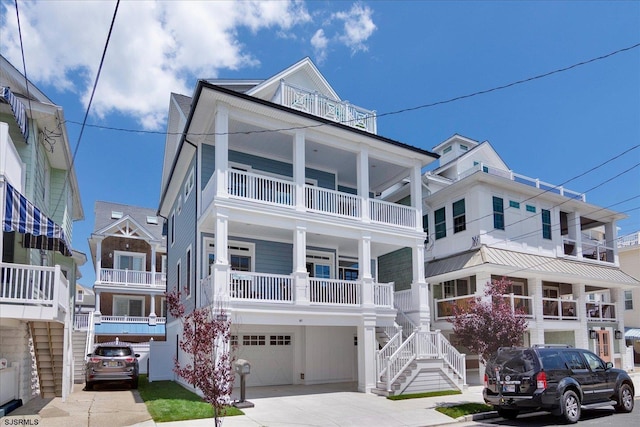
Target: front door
{"x":603,"y":345}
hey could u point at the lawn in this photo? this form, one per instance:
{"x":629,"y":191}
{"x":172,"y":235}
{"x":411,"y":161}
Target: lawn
{"x":426,"y":394}
{"x":456,"y":411}
{"x":169,"y":401}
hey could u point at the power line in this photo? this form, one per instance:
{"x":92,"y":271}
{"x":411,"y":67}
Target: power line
{"x":404,"y":110}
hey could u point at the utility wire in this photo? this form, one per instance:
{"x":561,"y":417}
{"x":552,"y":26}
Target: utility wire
{"x":86,"y":114}
{"x":404,"y":110}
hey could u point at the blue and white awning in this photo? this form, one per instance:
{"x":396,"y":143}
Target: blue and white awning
{"x":19,"y":111}
{"x":632,"y":334}
{"x":40,"y":232}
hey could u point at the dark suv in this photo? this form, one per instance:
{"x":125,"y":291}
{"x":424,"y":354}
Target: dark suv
{"x":558,"y":379}
{"x":112,"y":362}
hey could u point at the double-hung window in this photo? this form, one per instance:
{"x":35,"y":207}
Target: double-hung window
{"x":459,"y":217}
{"x":498,"y":213}
{"x":546,"y":224}
{"x":441,"y":223}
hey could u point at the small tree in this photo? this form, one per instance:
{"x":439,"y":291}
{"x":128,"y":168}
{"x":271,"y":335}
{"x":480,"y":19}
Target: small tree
{"x":489,"y":323}
{"x":205,"y":337}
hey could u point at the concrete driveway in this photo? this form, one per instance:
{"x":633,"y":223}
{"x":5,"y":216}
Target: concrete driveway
{"x":108,"y":405}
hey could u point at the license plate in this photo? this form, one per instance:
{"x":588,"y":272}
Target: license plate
{"x":112,"y":364}
{"x":509,"y":388}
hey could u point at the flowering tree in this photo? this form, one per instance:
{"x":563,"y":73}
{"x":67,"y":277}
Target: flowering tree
{"x":205,"y":337}
{"x":489,"y":323}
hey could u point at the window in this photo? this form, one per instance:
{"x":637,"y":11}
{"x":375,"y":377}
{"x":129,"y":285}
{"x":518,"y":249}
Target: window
{"x":459,"y":217}
{"x":531,"y":209}
{"x":152,"y":220}
{"x":425,"y":226}
{"x":133,"y":261}
{"x":498,"y":213}
{"x":240,"y":258}
{"x":79,"y":295}
{"x":116,"y":215}
{"x":515,"y":205}
{"x":188,"y":271}
{"x":234,"y":340}
{"x":172,"y":228}
{"x":441,"y":223}
{"x":253,"y":340}
{"x":128,"y":306}
{"x":188,"y":186}
{"x":178,"y":277}
{"x":347,"y":269}
{"x":163,"y":307}
{"x":574,"y":360}
{"x":280,"y":339}
{"x":628,"y":300}
{"x":179,"y":208}
{"x":446,"y":150}
{"x":320,"y":265}
{"x":546,"y":224}
{"x":464,"y":148}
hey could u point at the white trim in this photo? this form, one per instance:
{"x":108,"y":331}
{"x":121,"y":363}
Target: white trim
{"x":118,"y":254}
{"x":309,"y":258}
{"x":189,"y":184}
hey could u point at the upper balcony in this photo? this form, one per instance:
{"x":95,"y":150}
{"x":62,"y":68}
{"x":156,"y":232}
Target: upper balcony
{"x":279,"y":192}
{"x":319,"y":105}
{"x":29,"y":292}
{"x":629,"y":241}
{"x":132,"y":279}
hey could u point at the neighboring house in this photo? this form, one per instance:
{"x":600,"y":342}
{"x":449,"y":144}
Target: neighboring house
{"x":274,"y":191}
{"x":39,"y":201}
{"x":128,"y":250}
{"x":629,"y":253}
{"x":85,"y":302}
{"x":485,"y":222}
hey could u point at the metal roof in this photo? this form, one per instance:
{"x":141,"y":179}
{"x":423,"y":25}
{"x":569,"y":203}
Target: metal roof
{"x":529,"y":262}
{"x":632,"y":333}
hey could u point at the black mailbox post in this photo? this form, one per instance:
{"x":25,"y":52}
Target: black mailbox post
{"x":242,"y":368}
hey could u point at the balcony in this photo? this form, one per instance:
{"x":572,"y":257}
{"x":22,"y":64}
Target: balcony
{"x":591,"y":249}
{"x":132,"y":279}
{"x":601,"y":311}
{"x":629,"y":240}
{"x":278,"y":192}
{"x":283,"y":289}
{"x":327,"y":108}
{"x":29,"y":292}
{"x":559,"y":309}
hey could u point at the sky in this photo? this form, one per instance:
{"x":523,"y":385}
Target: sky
{"x":579,"y":127}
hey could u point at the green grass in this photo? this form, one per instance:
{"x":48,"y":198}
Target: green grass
{"x":169,"y":401}
{"x":456,"y":411}
{"x":420,"y":395}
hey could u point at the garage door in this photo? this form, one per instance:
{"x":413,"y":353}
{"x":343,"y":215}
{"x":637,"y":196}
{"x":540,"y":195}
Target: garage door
{"x":270,"y":356}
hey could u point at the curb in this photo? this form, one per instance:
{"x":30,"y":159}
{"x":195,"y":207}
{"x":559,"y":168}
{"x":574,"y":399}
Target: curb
{"x":478,"y":417}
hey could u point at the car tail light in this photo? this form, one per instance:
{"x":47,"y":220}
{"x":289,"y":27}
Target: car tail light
{"x":94,"y":359}
{"x":541,"y":380}
{"x":486,"y":381}
{"x":129,"y":359}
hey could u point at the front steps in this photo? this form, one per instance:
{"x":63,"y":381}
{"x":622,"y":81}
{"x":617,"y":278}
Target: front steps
{"x":48,"y":345}
{"x":79,"y":349}
{"x":421,"y":376}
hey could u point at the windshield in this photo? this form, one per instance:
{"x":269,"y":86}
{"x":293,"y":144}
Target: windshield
{"x":113,"y":351}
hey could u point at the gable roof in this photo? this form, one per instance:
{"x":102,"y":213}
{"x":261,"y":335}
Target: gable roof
{"x":137,"y":216}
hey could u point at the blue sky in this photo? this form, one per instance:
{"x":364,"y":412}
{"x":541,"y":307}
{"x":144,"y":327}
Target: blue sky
{"x":381,"y":55}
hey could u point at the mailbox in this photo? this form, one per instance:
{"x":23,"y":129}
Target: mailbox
{"x":242,"y":367}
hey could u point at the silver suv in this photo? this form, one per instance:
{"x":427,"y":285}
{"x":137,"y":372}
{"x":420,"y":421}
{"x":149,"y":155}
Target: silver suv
{"x":112,"y":362}
{"x":558,"y":379}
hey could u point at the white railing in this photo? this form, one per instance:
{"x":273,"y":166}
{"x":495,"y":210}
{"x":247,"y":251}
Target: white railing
{"x":31,"y":285}
{"x":261,"y":287}
{"x":130,"y":319}
{"x":386,"y":352}
{"x":522,"y":179}
{"x":81,"y":321}
{"x":91,"y":330}
{"x":322,"y":106}
{"x":453,"y":358}
{"x":392,"y":213}
{"x":597,"y":251}
{"x":445,"y":306}
{"x":403,"y":300}
{"x":261,"y":188}
{"x":520,"y":303}
{"x":126,"y":277}
{"x":629,"y":240}
{"x":383,"y":294}
{"x":332,"y":202}
{"x":559,"y":308}
{"x":603,"y":311}
{"x":333,"y":291}
{"x":395,"y":364}
{"x":407,"y":325}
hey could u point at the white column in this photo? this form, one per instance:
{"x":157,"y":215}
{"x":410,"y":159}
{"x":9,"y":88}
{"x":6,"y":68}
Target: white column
{"x":300,"y":274}
{"x":97,"y":316}
{"x":618,"y":298}
{"x":364,"y":267}
{"x":362,"y":168}
{"x":222,"y":149}
{"x":152,"y":310}
{"x":416,"y":194}
{"x":582,"y":334}
{"x":98,"y":258}
{"x":221,"y":267}
{"x":419,"y":288}
{"x":611,"y":236}
{"x":153,"y":265}
{"x":575,"y":232}
{"x":366,"y":353}
{"x":299,"y":173}
{"x":536,"y":325}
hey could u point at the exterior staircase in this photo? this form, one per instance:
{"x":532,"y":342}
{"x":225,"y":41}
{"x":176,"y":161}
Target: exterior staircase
{"x":79,"y":354}
{"x":48,"y":347}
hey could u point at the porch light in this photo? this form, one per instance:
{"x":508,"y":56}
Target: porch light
{"x":618,"y":335}
{"x":592,"y":334}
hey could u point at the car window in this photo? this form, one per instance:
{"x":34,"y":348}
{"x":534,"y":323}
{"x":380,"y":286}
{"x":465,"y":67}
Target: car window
{"x":595,"y":363}
{"x":551,"y":359}
{"x":515,"y":360}
{"x":574,"y":360}
{"x":112,"y":351}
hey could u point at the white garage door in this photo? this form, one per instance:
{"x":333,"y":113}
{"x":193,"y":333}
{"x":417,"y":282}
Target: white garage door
{"x":270,"y":356}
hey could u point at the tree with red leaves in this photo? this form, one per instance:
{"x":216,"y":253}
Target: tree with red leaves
{"x":205,"y":338}
{"x":489,"y":323}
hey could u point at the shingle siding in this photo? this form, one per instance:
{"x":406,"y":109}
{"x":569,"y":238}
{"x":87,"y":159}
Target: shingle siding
{"x":396,"y":267}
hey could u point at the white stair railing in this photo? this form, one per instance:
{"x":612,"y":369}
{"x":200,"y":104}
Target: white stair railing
{"x":385,"y":352}
{"x":400,"y":360}
{"x":88,"y":348}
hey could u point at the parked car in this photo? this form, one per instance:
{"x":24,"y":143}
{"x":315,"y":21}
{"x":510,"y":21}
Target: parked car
{"x":560,"y":379}
{"x":112,"y":362}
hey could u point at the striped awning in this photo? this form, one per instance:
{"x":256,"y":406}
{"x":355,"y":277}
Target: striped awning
{"x":632,"y":334}
{"x":18,"y":109}
{"x":40,"y":232}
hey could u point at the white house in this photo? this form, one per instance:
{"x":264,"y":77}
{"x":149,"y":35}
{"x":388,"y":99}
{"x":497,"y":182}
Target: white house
{"x":485,"y":222}
{"x":629,"y":254}
{"x":39,"y":201}
{"x":275,"y":197}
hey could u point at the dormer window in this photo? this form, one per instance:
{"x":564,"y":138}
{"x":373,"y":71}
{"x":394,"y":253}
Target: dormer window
{"x":116,"y":215}
{"x":446,"y":150}
{"x":152,"y":220}
{"x":464,"y":148}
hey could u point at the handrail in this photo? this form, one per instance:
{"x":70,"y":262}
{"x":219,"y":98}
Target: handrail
{"x":453,"y":358}
{"x":386,"y":351}
{"x":400,"y":359}
{"x":88,"y":348}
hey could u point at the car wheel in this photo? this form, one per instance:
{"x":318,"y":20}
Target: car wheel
{"x":625,"y":399}
{"x":509,"y":414}
{"x":570,"y":406}
{"x":134,"y":383}
{"x":88,"y":386}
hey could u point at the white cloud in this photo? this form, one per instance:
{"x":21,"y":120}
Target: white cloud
{"x":156,"y":47}
{"x":320,"y":43}
{"x":358,"y":27}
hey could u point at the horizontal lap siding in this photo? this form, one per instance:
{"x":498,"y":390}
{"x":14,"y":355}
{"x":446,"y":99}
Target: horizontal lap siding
{"x":271,"y":257}
{"x":428,"y":380}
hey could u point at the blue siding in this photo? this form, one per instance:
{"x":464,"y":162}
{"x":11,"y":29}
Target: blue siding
{"x":271,"y":257}
{"x":396,"y":266}
{"x":324,"y":179}
{"x":262,"y":163}
{"x":208,"y":164}
{"x":119,"y":328}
